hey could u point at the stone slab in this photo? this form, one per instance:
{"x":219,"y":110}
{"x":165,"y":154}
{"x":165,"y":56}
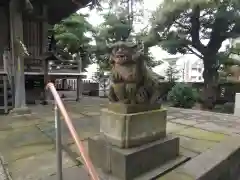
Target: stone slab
{"x":38,"y":166}
{"x":129,"y":130}
{"x":72,"y":173}
{"x":196,"y":145}
{"x":187,"y":152}
{"x":188,"y":122}
{"x":23,"y":142}
{"x":237,"y":105}
{"x":174,"y":127}
{"x":157,"y":172}
{"x":219,"y":163}
{"x":210,"y":126}
{"x":132,"y":108}
{"x":196,"y":133}
{"x":127,"y":164}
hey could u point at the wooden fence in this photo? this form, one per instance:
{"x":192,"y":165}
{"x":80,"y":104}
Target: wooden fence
{"x":225,"y":91}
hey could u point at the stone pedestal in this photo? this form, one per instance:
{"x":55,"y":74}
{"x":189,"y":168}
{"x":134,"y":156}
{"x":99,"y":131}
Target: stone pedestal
{"x":237,"y":105}
{"x":127,"y":164}
{"x":129,"y":130}
{"x":133,"y":142}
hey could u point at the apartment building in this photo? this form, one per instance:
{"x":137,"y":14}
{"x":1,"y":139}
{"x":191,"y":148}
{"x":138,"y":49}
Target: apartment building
{"x":190,"y":68}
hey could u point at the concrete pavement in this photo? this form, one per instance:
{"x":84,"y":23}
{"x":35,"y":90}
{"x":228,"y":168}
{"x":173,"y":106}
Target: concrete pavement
{"x":27,"y":142}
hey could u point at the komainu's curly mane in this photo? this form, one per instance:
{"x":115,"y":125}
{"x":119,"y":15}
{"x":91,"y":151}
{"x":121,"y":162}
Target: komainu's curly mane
{"x":132,"y":81}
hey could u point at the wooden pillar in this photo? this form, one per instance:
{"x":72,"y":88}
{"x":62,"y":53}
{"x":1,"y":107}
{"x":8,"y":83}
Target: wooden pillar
{"x":16,"y":28}
{"x":46,"y":80}
{"x":45,"y":27}
{"x":44,"y":50}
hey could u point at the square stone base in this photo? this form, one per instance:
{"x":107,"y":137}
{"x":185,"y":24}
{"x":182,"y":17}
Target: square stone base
{"x":127,"y":164}
{"x":133,"y":129}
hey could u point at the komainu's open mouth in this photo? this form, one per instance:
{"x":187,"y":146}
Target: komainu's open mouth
{"x":121,"y":57}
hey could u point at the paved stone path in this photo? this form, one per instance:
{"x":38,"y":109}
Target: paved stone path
{"x":27,"y":142}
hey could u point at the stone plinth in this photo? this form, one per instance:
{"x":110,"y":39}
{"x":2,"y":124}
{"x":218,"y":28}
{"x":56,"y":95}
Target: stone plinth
{"x":133,"y":129}
{"x":237,"y":105}
{"x":128,"y":164}
{"x":133,"y":143}
{"x":132,"y":108}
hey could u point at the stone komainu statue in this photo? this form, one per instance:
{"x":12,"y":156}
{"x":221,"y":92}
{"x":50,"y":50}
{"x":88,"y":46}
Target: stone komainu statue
{"x":132,"y":82}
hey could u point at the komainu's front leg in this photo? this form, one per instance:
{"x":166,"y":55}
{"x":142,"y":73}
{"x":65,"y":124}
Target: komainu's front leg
{"x":112,"y":96}
{"x":131,"y":91}
{"x":119,"y":90}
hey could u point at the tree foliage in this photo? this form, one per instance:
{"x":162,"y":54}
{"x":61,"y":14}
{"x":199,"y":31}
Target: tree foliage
{"x":114,"y":28}
{"x":198,"y":27}
{"x":118,"y":26}
{"x":71,"y":37}
{"x":183,"y":96}
{"x":172,"y":74}
{"x":182,"y":25}
{"x":230,"y":64}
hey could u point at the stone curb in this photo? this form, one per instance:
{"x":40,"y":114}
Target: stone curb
{"x":4,"y":173}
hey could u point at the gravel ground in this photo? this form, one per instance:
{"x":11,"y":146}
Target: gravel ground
{"x":3,"y":174}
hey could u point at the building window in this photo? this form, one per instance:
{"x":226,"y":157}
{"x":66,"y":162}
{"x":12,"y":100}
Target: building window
{"x":200,"y":78}
{"x":194,"y":69}
{"x":199,"y":69}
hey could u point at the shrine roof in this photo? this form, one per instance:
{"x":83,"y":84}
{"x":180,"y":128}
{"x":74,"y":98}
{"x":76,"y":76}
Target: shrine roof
{"x":59,"y":9}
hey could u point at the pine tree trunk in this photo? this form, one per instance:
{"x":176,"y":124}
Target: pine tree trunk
{"x":211,"y":77}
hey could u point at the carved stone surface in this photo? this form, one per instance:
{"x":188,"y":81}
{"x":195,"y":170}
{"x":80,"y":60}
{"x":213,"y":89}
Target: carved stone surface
{"x":132,"y":81}
{"x":128,"y":130}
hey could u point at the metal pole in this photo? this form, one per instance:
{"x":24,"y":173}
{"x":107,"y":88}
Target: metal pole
{"x":58,"y":143}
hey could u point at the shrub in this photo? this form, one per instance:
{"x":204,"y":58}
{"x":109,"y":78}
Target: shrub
{"x":227,"y":107}
{"x":182,"y":95}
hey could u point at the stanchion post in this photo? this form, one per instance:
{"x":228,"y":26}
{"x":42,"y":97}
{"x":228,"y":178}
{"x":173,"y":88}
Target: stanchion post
{"x":58,"y":143}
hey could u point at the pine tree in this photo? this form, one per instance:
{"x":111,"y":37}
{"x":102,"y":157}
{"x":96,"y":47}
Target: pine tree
{"x":182,"y":26}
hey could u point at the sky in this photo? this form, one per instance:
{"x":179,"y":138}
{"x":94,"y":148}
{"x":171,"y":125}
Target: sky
{"x":96,"y":19}
{"x":159,"y":54}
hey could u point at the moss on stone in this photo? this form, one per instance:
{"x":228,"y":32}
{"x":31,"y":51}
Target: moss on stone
{"x":202,"y":134}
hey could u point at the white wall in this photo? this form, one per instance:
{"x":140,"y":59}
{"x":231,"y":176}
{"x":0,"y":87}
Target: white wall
{"x":184,"y":65}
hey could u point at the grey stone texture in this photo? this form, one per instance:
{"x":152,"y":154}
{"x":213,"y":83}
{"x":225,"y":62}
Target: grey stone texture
{"x":132,"y":108}
{"x":219,"y":163}
{"x":134,"y":129}
{"x":127,"y":164}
